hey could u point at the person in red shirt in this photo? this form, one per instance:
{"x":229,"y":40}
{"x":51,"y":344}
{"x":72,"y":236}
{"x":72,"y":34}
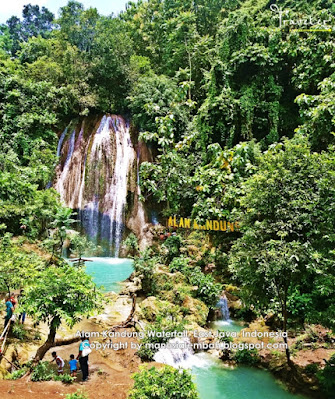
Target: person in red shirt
{"x":13,"y":300}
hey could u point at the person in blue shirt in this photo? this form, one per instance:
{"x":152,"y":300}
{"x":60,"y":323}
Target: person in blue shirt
{"x":84,"y":350}
{"x":9,"y":311}
{"x":73,"y":366}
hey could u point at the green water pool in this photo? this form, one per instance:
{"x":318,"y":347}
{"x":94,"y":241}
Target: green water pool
{"x":232,"y":325}
{"x":215,"y":381}
{"x":109,"y":272}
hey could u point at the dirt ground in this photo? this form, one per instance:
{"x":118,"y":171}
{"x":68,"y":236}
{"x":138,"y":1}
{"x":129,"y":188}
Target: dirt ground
{"x":110,"y":370}
{"x":110,"y":377}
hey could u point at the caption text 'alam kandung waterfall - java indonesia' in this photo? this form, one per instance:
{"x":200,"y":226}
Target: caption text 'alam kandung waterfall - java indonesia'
{"x":97,"y":176}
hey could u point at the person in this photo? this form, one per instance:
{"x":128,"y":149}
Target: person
{"x":22,"y":316}
{"x":13,"y":300}
{"x":161,"y":236}
{"x":84,"y":350}
{"x":59,"y":361}
{"x":9,"y":311}
{"x":73,"y":366}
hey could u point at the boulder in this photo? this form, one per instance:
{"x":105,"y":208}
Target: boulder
{"x":198,"y":311}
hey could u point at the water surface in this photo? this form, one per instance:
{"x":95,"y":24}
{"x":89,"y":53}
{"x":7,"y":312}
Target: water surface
{"x":109,"y":272}
{"x":227,"y":325}
{"x":215,"y":381}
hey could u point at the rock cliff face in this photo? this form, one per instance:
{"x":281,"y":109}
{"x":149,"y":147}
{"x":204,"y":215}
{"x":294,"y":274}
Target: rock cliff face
{"x":98,"y":177}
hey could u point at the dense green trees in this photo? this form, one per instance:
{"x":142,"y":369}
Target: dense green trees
{"x":35,"y":22}
{"x":286,"y":255}
{"x":18,"y":266}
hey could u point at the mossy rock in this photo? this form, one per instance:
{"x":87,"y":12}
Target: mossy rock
{"x":149,"y":308}
{"x":198,"y":310}
{"x":153,"y":307}
{"x":177,"y":294}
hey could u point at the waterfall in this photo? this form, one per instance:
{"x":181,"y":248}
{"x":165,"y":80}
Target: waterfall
{"x":180,"y":355}
{"x":223,"y":306}
{"x":118,"y":193}
{"x":60,"y":142}
{"x":95,"y":177}
{"x":154,"y":219}
{"x":176,"y":357}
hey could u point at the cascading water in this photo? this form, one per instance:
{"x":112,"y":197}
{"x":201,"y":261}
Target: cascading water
{"x":154,"y":218}
{"x":179,"y":354}
{"x":94,"y":178}
{"x":223,"y":306}
{"x":118,"y":194}
{"x":60,"y":142}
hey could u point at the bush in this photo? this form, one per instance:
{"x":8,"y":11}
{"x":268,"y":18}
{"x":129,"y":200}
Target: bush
{"x":179,"y":264}
{"x":246,"y":356}
{"x":131,"y":245}
{"x":77,"y":395}
{"x":311,"y":369}
{"x":173,"y":245}
{"x":65,"y":378}
{"x":326,"y":378}
{"x":224,"y":338}
{"x":166,"y":383}
{"x":15,"y":375}
{"x":146,"y":354}
{"x":208,"y":290}
{"x":146,"y":266}
{"x":42,"y":372}
{"x":19,"y":332}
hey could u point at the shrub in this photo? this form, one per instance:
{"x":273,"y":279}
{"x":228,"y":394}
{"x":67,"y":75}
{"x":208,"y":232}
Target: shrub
{"x":299,"y":345}
{"x":326,"y":378}
{"x":146,"y":266}
{"x":167,"y":383}
{"x":246,"y":356}
{"x":224,"y":338}
{"x":164,"y":282}
{"x":19,"y":332}
{"x":185,"y":311}
{"x":146,"y":354}
{"x":77,"y":395}
{"x":172,"y":244}
{"x":311,"y":369}
{"x":42,"y":372}
{"x":15,"y":375}
{"x":208,"y":290}
{"x":179,"y":264}
{"x":65,"y":378}
{"x":131,"y":245}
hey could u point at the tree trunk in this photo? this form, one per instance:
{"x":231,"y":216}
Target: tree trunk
{"x":49,"y":343}
{"x":287,"y":349}
{"x":129,"y":322}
